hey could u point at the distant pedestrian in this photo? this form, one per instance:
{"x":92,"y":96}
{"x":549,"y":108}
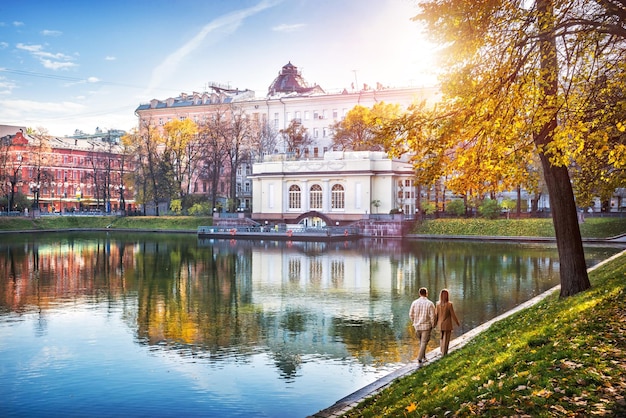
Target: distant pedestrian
{"x":445,"y":315}
{"x":422,"y":314}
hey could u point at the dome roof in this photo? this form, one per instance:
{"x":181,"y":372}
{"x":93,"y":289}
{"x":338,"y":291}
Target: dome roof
{"x":290,"y":80}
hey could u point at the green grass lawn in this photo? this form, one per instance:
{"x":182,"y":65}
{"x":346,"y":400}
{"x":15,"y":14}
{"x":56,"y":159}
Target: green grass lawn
{"x":590,"y":228}
{"x":561,"y":357}
{"x":112,"y":222}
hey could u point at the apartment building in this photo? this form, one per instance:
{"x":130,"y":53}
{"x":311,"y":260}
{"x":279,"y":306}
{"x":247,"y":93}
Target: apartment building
{"x":64,"y":174}
{"x":289,"y":99}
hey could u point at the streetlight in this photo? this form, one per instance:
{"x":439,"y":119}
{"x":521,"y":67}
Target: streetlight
{"x":34,"y":188}
{"x":122,"y":200}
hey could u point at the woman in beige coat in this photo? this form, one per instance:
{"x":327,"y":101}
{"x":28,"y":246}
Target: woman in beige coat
{"x":444,"y":315}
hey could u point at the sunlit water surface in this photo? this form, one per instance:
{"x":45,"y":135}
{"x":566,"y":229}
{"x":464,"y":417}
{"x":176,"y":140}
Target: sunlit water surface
{"x":168,"y":325}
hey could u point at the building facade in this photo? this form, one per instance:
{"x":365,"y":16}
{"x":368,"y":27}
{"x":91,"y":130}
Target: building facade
{"x":289,"y":100}
{"x":340,"y":188}
{"x":63,"y":174}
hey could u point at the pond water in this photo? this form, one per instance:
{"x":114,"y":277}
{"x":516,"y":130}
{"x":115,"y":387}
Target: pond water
{"x":160,"y":325}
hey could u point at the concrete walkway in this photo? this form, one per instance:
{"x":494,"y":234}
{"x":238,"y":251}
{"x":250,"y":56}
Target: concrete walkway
{"x":344,"y":405}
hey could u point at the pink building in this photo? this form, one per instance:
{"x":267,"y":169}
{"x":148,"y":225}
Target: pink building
{"x":63,"y":174}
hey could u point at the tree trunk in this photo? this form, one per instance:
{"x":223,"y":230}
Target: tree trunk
{"x":573,"y":269}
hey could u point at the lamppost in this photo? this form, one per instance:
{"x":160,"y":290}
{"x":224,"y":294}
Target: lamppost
{"x":122,"y":200}
{"x":34,"y":188}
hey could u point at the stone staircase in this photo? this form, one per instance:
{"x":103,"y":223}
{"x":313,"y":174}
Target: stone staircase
{"x":382,"y":228}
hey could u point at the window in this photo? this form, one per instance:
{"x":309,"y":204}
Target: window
{"x":306,"y":115}
{"x":335,"y":114}
{"x":276,"y":120}
{"x":316,"y":133}
{"x":337,"y":197}
{"x":295,"y":197}
{"x":316,"y":114}
{"x":316,"y":197}
{"x":325,"y":132}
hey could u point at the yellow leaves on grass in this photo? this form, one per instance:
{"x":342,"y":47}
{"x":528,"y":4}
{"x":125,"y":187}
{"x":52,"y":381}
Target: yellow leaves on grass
{"x":412,"y":407}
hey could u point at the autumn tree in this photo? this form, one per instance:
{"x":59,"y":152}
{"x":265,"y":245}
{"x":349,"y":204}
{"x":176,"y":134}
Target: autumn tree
{"x":127,"y":166}
{"x":521,"y":78}
{"x":238,"y":141}
{"x":296,"y":138}
{"x":359,"y":130}
{"x":40,"y":159}
{"x":211,"y":134}
{"x":5,"y":159}
{"x":266,"y":140}
{"x":151,"y":182}
{"x":181,"y":154}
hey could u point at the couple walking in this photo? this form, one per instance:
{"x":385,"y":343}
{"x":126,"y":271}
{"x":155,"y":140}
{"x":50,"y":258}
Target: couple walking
{"x":425,"y":316}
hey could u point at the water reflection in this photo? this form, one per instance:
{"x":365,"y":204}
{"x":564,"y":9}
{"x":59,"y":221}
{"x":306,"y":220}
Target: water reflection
{"x":296,"y":304}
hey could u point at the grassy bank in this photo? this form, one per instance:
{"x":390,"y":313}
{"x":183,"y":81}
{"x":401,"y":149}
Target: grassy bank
{"x":590,"y":228}
{"x":112,"y":222}
{"x":561,"y":357}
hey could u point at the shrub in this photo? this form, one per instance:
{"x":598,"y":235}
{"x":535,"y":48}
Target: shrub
{"x":489,"y":209}
{"x":456,"y":207}
{"x":200,"y":209}
{"x":176,"y":206}
{"x":428,"y":208}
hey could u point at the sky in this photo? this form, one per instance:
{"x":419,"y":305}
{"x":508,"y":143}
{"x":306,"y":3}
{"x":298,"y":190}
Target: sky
{"x":80,"y":65}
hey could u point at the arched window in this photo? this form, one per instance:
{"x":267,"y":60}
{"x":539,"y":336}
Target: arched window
{"x":316,"y":197}
{"x":295,"y":200}
{"x":337,"y":197}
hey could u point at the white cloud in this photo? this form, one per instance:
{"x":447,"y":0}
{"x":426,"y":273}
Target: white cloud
{"x":48,"y":32}
{"x":17,"y":109}
{"x":227,"y":23}
{"x":93,"y":79}
{"x":48,"y":59}
{"x":288,"y":28}
{"x":6,"y":86}
{"x":18,"y":23}
{"x":29,"y":48}
{"x":56,"y":65}
{"x":110,"y":58}
{"x":3,"y":45}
